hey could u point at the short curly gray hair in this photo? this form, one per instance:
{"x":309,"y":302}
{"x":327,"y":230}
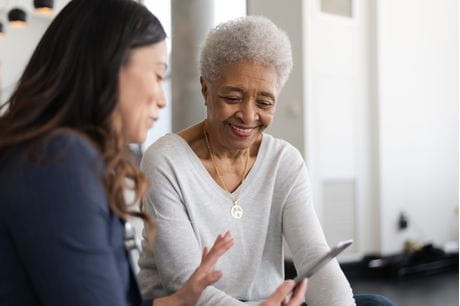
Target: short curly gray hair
{"x":253,"y":38}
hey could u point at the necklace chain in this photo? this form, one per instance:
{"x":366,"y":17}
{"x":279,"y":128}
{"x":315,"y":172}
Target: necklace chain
{"x":216,"y":168}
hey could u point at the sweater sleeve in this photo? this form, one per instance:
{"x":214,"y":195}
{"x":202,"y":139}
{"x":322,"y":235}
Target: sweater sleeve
{"x":176,"y":250}
{"x":63,"y":231}
{"x":307,"y":243}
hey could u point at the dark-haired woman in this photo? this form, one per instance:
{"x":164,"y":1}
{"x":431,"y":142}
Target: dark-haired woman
{"x":93,"y":85}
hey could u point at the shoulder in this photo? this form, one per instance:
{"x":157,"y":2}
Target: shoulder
{"x":281,"y":160}
{"x":169,"y":149}
{"x":62,"y":167}
{"x":70,"y":141}
{"x":64,"y":149}
{"x":75,"y":140}
{"x":281,"y":149}
{"x":164,"y":144}
{"x":53,"y":149}
{"x":56,"y":153}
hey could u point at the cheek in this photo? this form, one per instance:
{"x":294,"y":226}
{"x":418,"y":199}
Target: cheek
{"x":266,"y":118}
{"x":221,"y":110}
{"x":142,"y":88}
{"x":134,"y":118}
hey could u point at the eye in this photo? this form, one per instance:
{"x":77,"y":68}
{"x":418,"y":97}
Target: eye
{"x":231,"y":99}
{"x":159,"y":77}
{"x":264,"y":103}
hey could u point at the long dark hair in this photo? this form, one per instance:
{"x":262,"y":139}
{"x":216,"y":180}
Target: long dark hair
{"x":71,"y":82}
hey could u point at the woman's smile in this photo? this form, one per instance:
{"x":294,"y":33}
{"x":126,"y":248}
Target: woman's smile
{"x":241,"y":131}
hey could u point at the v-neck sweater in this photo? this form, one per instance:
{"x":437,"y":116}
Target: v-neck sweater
{"x":190,"y":209}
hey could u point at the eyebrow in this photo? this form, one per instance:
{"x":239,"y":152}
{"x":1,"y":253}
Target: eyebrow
{"x":268,"y":95}
{"x":262,"y":93}
{"x":232,"y":88}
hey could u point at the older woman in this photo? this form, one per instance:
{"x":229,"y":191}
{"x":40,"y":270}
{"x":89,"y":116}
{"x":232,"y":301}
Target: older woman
{"x":226,"y":173}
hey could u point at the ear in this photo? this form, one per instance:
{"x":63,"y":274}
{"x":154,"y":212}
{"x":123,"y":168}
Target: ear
{"x":204,"y":90}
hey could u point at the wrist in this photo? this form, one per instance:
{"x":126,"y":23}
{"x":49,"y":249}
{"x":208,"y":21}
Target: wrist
{"x":171,"y":300}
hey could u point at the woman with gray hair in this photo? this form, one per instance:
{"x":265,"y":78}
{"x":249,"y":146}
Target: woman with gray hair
{"x":226,"y":173}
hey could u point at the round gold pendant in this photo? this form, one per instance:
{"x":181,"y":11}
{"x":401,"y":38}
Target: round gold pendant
{"x":237,"y":211}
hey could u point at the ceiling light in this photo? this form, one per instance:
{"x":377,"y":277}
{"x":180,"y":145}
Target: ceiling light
{"x":17,"y":18}
{"x":44,"y":6}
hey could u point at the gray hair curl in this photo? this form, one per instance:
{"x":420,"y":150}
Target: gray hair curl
{"x":253,"y":38}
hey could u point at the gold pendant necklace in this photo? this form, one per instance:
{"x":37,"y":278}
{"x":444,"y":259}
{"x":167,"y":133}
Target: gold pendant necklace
{"x":237,"y":210}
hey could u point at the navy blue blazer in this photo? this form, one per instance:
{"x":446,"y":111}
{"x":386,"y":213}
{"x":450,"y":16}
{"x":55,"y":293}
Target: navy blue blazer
{"x":60,"y":244}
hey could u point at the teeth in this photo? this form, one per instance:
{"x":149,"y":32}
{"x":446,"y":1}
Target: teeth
{"x":242,"y":130}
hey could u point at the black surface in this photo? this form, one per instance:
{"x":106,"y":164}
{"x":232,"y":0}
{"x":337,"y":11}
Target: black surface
{"x":426,"y":261}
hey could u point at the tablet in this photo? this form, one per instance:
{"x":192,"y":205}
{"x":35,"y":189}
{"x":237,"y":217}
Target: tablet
{"x":336,"y":250}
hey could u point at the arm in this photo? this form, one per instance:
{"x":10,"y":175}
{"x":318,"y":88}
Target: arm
{"x":63,"y":231}
{"x":201,"y":279}
{"x":306,"y":240}
{"x":176,"y":251}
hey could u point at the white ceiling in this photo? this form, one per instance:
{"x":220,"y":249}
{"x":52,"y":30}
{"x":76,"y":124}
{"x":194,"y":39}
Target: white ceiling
{"x":27,"y":5}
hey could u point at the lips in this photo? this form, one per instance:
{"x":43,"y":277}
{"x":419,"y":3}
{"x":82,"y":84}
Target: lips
{"x":154,"y":117}
{"x":152,"y":121}
{"x":241,"y":131}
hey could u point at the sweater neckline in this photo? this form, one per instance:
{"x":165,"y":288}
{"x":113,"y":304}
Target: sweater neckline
{"x":199,"y":166}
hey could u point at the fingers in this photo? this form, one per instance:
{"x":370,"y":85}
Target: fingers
{"x":299,"y":293}
{"x":221,"y":245}
{"x":211,"y":278}
{"x":205,"y":253}
{"x":281,"y":293}
{"x":205,"y":275}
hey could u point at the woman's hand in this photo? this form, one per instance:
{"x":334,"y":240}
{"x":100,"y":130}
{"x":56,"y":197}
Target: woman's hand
{"x":282,"y":295}
{"x":203,"y":276}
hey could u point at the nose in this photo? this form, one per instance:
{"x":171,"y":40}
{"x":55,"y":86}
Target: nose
{"x":161,"y":103}
{"x":160,"y":97}
{"x":247,"y":112}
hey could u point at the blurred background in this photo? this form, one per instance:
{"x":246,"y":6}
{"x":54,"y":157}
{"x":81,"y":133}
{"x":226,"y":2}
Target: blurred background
{"x":372,"y":103}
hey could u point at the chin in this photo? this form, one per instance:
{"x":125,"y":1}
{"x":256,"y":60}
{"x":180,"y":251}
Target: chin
{"x":141,"y":140}
{"x":137,"y":139}
{"x":243,"y":144}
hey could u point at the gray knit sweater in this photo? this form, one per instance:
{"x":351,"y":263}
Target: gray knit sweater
{"x":190,"y":209}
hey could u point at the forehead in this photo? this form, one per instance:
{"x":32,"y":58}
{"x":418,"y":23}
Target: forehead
{"x":248,"y":75}
{"x":154,"y":54}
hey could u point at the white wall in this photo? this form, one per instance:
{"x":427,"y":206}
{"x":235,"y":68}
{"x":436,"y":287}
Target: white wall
{"x":341,"y":98}
{"x":418,"y":107}
{"x":16,"y":47}
{"x":329,"y":89}
{"x":289,"y":117}
{"x":379,"y":114}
